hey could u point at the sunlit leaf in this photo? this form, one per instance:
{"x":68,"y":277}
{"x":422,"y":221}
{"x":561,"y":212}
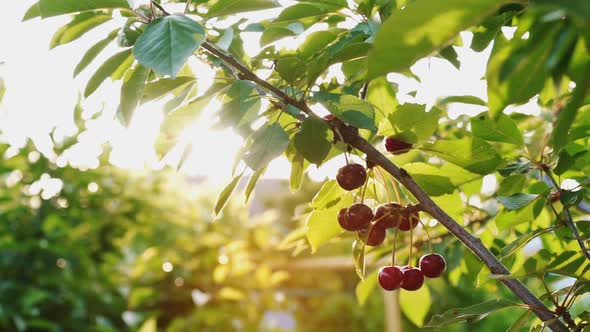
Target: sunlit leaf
{"x":349,"y":109}
{"x":503,"y":129}
{"x":473,"y":154}
{"x":167,"y":43}
{"x":472,"y":313}
{"x":415,"y":305}
{"x":365,"y":287}
{"x":226,"y":193}
{"x":322,"y":225}
{"x":252,"y":182}
{"x":111,"y":66}
{"x":229,"y":7}
{"x":267,"y":143}
{"x":516,"y":201}
{"x":358,"y":253}
{"x":93,"y":52}
{"x":423,"y":27}
{"x":314,"y":140}
{"x":163,"y":87}
{"x":59,"y":7}
{"x":79,"y":26}
{"x":131,"y":91}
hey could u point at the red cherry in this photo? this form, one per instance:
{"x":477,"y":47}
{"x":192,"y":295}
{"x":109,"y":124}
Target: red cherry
{"x":413,"y":278}
{"x":432,"y":265}
{"x":409,"y":220}
{"x":388,"y":215}
{"x":376,"y":236}
{"x":329,"y":117}
{"x":390,"y":277}
{"x":396,"y":146}
{"x":343,"y":220}
{"x":351,"y":176}
{"x":359,"y":216}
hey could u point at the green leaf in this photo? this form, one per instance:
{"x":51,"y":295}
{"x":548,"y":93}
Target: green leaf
{"x":415,"y":305}
{"x":290,"y":68}
{"x":450,"y":54}
{"x":93,"y":52}
{"x":329,"y":195}
{"x":516,"y":201}
{"x":80,"y":25}
{"x":32,"y":12}
{"x":296,"y":176}
{"x":520,"y":322}
{"x":167,"y":43}
{"x":315,"y":42}
{"x":131,"y":91}
{"x":111,"y":66}
{"x":506,"y":219}
{"x":253,"y":180}
{"x":358,"y":253}
{"x":241,"y":104}
{"x":512,"y":184}
{"x":2,"y":89}
{"x":365,"y":287}
{"x":471,"y":314}
{"x":473,"y":100}
{"x":229,"y":7}
{"x":226,"y":193}
{"x":571,"y":198}
{"x":266,"y":144}
{"x":430,"y":178}
{"x":503,"y":129}
{"x":411,"y":123}
{"x":150,"y":325}
{"x":516,"y":73}
{"x":381,"y":94}
{"x":487,"y":31}
{"x":273,"y":34}
{"x":350,"y":109}
{"x":421,"y":28}
{"x":299,"y":11}
{"x":322,"y":225}
{"x":314,"y":140}
{"x":473,"y":154}
{"x":163,"y":87}
{"x":521,"y":241}
{"x":59,"y":7}
{"x":570,"y":263}
{"x":566,"y":117}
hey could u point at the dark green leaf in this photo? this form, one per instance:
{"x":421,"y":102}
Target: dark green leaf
{"x":229,"y":7}
{"x":252,"y":182}
{"x":59,"y":7}
{"x":164,"y":86}
{"x":80,"y":25}
{"x":423,"y":27}
{"x":115,"y":63}
{"x":93,"y":52}
{"x":226,"y":193}
{"x":515,"y":72}
{"x":450,"y":54}
{"x":167,"y":43}
{"x":131,"y":91}
{"x":473,"y":154}
{"x":570,"y":198}
{"x":266,"y":144}
{"x":472,"y":313}
{"x":487,"y":31}
{"x":566,"y":117}
{"x":314,"y":140}
{"x":516,"y":201}
{"x":348,"y":108}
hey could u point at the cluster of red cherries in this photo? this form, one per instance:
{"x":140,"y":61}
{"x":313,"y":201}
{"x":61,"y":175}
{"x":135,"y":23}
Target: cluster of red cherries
{"x":372,"y":227}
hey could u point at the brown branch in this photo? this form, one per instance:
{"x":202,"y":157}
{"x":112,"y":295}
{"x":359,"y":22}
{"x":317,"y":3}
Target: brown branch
{"x":350,"y":135}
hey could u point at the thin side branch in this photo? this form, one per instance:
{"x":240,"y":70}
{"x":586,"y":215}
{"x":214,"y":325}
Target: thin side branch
{"x":350,"y":135}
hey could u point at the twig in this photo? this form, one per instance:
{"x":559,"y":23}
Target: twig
{"x":351,"y":136}
{"x":569,"y":219}
{"x":188,"y":3}
{"x":164,"y":12}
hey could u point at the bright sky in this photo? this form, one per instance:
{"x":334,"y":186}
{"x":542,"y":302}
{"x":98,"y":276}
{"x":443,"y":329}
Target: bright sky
{"x":41,"y":95}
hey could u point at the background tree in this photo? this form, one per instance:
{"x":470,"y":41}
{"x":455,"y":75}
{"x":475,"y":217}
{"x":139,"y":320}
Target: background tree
{"x":530,"y":156}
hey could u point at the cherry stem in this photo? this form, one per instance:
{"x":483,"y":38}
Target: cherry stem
{"x":375,"y":201}
{"x":411,"y":243}
{"x":346,"y":157}
{"x":364,"y":189}
{"x":387,"y":194}
{"x":396,"y":189}
{"x":549,"y":292}
{"x":427,"y":234}
{"x":393,"y":250}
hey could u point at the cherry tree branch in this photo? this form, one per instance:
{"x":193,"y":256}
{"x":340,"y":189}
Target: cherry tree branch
{"x":350,"y":136}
